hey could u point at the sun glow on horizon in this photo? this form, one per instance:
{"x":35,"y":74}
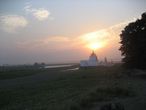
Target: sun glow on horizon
{"x":95,"y":40}
{"x":95,"y":46}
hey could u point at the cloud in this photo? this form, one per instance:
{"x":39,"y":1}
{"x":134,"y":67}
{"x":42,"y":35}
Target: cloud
{"x":104,"y":35}
{"x":99,"y":35}
{"x":55,"y":39}
{"x":109,"y":36}
{"x":50,"y":43}
{"x":122,"y":24}
{"x":107,"y":39}
{"x":41,"y":14}
{"x":11,"y":23}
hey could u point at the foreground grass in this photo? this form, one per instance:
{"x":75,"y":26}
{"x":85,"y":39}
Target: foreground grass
{"x":12,"y":72}
{"x":70,"y":90}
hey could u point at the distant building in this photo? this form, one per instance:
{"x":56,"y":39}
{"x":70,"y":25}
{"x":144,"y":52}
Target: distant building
{"x":105,"y":60}
{"x":91,"y":62}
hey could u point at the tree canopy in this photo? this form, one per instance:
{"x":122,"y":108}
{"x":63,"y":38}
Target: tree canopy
{"x":133,"y":44}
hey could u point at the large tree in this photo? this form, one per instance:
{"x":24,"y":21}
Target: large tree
{"x":133,"y":44}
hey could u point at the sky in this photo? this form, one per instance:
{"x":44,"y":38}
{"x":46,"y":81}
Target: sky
{"x":63,"y":31}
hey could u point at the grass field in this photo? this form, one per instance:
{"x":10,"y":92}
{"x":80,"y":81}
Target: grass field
{"x":83,"y":89}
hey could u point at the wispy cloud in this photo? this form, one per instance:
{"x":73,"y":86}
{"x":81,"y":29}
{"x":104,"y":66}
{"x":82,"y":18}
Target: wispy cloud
{"x":106,"y":35}
{"x":122,"y":24}
{"x":41,"y":13}
{"x":49,"y":43}
{"x":94,"y":37}
{"x":11,"y":23}
{"x":110,"y":36}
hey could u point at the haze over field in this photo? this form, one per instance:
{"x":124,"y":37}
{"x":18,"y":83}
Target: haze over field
{"x":63,"y":30}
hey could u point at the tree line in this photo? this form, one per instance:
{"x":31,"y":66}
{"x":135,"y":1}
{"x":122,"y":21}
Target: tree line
{"x":133,"y":44}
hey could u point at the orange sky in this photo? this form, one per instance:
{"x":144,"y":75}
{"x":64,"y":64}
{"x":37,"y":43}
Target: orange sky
{"x":63,"y":31}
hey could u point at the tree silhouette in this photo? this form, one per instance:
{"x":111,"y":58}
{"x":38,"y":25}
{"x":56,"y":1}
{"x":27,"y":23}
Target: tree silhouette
{"x":133,"y":44}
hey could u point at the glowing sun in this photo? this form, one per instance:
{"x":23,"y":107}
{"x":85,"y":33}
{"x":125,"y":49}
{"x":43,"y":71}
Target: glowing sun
{"x":95,"y":46}
{"x":95,"y":40}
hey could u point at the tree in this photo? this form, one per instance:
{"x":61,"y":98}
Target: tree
{"x":133,"y":44}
